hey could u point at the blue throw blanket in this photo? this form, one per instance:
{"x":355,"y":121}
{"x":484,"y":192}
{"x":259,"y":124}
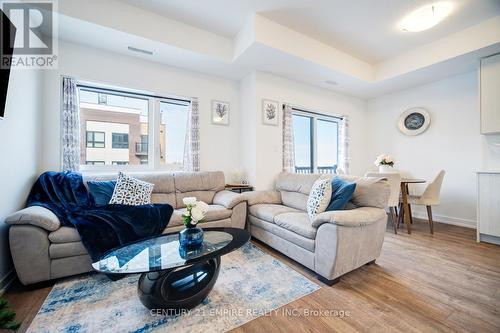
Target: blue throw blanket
{"x":101,"y":228}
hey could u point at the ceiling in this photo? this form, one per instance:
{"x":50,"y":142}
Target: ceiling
{"x":365,"y":29}
{"x":226,"y":38}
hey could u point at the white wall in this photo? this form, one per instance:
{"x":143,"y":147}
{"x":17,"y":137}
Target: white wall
{"x":219,"y":144}
{"x":20,"y":146}
{"x":452,"y":142}
{"x":248,"y":132}
{"x":265,"y":160}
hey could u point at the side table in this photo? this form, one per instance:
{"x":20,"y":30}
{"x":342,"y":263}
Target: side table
{"x":239,"y":188}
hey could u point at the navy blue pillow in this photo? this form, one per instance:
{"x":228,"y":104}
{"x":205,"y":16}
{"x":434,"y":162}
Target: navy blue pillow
{"x":101,"y":191}
{"x":342,"y":192}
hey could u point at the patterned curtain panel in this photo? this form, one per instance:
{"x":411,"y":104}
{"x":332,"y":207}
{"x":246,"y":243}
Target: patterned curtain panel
{"x":192,"y":144}
{"x":70,"y":123}
{"x":344,"y":146}
{"x":288,"y":148}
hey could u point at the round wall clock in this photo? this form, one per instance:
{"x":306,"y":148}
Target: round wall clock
{"x":414,"y":121}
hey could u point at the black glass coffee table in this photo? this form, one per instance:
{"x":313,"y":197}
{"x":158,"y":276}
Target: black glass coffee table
{"x":173,"y":277}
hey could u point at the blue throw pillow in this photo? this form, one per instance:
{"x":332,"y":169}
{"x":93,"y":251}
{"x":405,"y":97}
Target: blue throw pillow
{"x":101,"y":191}
{"x":342,"y":192}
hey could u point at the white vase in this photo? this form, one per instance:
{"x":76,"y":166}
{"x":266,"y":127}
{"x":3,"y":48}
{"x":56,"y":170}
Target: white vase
{"x":386,"y":169}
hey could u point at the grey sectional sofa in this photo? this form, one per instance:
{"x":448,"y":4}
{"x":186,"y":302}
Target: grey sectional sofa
{"x":335,"y":242}
{"x":42,"y":249}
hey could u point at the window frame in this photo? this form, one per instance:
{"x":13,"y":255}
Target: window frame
{"x":314,"y":116}
{"x":157,"y":155}
{"x":119,"y":163}
{"x":113,"y":141}
{"x":93,"y":139}
{"x":154,"y":121}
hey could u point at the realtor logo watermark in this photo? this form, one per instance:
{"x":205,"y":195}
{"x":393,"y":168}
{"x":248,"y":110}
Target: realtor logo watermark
{"x":29,"y":35}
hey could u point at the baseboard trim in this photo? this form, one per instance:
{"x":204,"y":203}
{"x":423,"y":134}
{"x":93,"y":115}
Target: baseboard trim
{"x":489,"y":239}
{"x":7,"y":280}
{"x":448,"y":220}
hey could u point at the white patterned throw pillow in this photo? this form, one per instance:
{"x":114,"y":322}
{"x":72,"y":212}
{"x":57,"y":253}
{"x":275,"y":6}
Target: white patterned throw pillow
{"x":131,"y":191}
{"x":319,"y":198}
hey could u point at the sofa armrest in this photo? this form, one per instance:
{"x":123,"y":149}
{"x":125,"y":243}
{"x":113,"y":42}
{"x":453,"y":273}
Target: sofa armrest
{"x":262,"y":197}
{"x":350,"y":218}
{"x":227,"y":199}
{"x":35,"y":215}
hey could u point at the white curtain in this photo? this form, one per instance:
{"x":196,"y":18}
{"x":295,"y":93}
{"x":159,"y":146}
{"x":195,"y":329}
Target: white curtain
{"x":70,"y":122}
{"x":192,"y":144}
{"x":288,"y":144}
{"x":343,"y":166}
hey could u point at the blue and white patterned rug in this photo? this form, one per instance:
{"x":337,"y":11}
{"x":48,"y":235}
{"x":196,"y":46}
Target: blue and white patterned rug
{"x":251,"y":283}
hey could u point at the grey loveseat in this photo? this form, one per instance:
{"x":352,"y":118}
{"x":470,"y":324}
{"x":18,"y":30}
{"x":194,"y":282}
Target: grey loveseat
{"x":42,"y":249}
{"x":335,"y":242}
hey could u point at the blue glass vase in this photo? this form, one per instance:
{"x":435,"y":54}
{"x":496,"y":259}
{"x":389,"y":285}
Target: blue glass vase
{"x":191,"y":237}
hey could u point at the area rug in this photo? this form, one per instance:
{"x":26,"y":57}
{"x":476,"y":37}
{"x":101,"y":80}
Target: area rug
{"x":251,"y":284}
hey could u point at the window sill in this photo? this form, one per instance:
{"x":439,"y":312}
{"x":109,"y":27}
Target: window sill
{"x":94,"y":169}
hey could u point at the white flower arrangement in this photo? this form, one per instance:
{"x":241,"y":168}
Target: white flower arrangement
{"x":195,"y":211}
{"x":384,"y":160}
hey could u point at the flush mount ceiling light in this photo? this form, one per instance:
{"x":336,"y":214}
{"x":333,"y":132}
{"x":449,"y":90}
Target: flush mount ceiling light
{"x":426,"y":17}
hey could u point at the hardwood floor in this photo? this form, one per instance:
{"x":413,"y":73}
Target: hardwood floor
{"x":26,"y":301}
{"x":444,"y":282}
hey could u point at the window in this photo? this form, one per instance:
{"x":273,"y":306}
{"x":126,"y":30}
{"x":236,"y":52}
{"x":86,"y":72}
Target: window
{"x":327,"y":145}
{"x":144,"y":130}
{"x":172,"y":134}
{"x":95,"y":139}
{"x":119,"y":140}
{"x":315,"y":142}
{"x":302,"y":136}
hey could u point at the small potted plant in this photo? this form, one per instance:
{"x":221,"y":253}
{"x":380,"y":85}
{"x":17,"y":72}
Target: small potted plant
{"x":7,"y":317}
{"x":192,"y":235}
{"x":385,"y":163}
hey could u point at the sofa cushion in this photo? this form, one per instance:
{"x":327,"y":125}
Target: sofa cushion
{"x":295,"y":188}
{"x":163,"y":181}
{"x":296,"y":222}
{"x":163,"y":198}
{"x":268,"y":226}
{"x":342,"y":192}
{"x":164,"y":188}
{"x":63,"y":250}
{"x":319,"y":198}
{"x":225,"y":223}
{"x":262,"y":197}
{"x":214,"y":213}
{"x":37,"y":216}
{"x":267,"y":212}
{"x":357,"y":217}
{"x":295,"y":238}
{"x":202,"y":185}
{"x":295,"y":200}
{"x":101,"y":191}
{"x":64,"y":235}
{"x":131,"y":191}
{"x":370,"y":191}
{"x":205,"y":196}
{"x":176,"y":219}
{"x":296,"y":182}
{"x":228,"y":199}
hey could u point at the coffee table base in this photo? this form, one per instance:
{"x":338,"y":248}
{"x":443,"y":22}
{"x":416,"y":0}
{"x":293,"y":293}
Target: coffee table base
{"x":178,"y":289}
